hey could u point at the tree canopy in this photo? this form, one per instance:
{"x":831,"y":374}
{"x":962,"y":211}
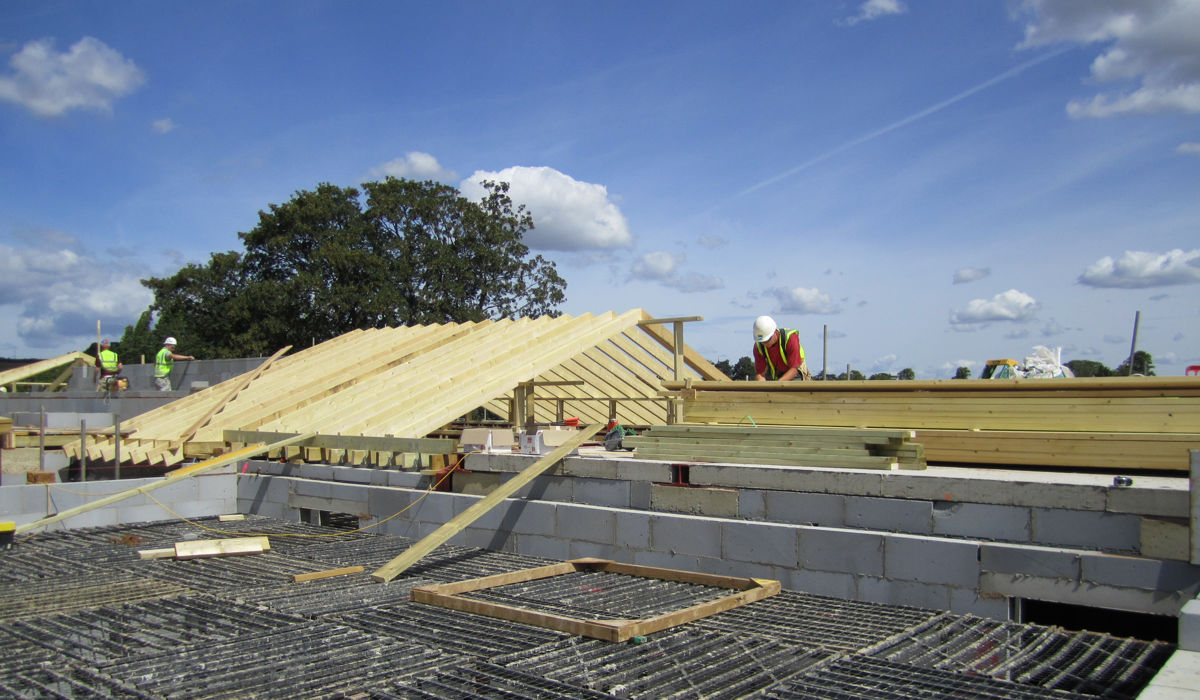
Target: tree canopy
{"x":323,"y":264}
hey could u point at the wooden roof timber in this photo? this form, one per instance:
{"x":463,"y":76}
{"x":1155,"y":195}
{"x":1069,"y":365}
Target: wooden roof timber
{"x":411,"y":381}
{"x":70,"y":360}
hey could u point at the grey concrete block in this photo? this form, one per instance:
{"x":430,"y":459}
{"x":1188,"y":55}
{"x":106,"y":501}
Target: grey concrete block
{"x":1157,"y":499}
{"x":141,"y":513}
{"x":968,"y":601}
{"x":633,"y":530}
{"x":1037,"y":494}
{"x":355,"y":475}
{"x":1048,"y":562}
{"x":889,"y":514}
{"x":350,"y":492}
{"x":911,"y":594}
{"x":827,"y":583}
{"x":752,"y":504}
{"x":1136,"y":572}
{"x":587,"y":524}
{"x":686,"y":535}
{"x":216,"y":486}
{"x":382,"y":502}
{"x":314,"y":489}
{"x":581,"y":549}
{"x":1189,"y":626}
{"x":712,"y":502}
{"x":532,"y":517}
{"x":1109,"y":532}
{"x":931,"y":560}
{"x":931,"y":486}
{"x":263,"y":489}
{"x":1194,"y":513}
{"x":995,"y":522}
{"x":408,"y":480}
{"x":639,"y":494}
{"x":760,"y":543}
{"x":845,"y":551}
{"x":822,"y":509}
{"x":200,"y":509}
{"x":549,"y":488}
{"x":477,"y":483}
{"x":1165,"y":538}
{"x":540,"y":546}
{"x":493,"y":540}
{"x":603,"y":492}
{"x":667,"y":560}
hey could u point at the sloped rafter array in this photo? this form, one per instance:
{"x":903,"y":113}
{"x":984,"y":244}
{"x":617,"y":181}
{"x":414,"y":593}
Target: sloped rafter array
{"x":410,"y":381}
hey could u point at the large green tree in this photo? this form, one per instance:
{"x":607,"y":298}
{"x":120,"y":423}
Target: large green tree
{"x":323,"y":264}
{"x":1143,"y":364}
{"x":1089,"y":368}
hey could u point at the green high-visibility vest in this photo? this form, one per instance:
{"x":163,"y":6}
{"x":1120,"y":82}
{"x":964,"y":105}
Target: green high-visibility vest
{"x":108,"y":361}
{"x":784,"y":336}
{"x":163,"y":362}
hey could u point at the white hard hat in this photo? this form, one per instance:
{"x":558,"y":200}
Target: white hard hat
{"x":764,"y":328}
{"x":169,"y":341}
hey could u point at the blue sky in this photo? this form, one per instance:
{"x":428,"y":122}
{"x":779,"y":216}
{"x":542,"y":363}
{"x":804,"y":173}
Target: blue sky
{"x":936,"y":183}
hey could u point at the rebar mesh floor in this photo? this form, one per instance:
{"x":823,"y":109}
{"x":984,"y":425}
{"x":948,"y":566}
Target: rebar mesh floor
{"x":82,"y":616}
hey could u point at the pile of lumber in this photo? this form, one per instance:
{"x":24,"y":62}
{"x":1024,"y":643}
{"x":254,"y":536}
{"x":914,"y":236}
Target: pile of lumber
{"x":855,"y":448}
{"x":1111,"y":422}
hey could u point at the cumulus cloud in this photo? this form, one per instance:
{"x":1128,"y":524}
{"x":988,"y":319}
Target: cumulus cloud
{"x":874,"y":9}
{"x":59,"y":290}
{"x":1190,"y":148}
{"x":1005,"y":306}
{"x":971,"y":274}
{"x":1150,"y":45}
{"x":799,"y":300}
{"x":1137,"y":269}
{"x":567,"y":214}
{"x":89,"y":75}
{"x":415,"y":165}
{"x":663,"y":267}
{"x":164,"y":126}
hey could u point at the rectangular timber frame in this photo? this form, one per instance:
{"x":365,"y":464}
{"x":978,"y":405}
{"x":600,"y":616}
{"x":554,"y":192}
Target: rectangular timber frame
{"x":748,"y":590}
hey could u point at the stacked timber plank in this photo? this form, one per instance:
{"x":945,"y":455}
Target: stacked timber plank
{"x":1112,"y":422}
{"x":860,"y":448}
{"x":409,"y":381}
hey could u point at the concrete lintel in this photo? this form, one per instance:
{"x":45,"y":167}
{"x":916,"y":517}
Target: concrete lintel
{"x":1079,"y":593}
{"x":780,"y":478}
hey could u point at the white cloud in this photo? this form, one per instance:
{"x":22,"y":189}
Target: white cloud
{"x":414,"y":165}
{"x":60,"y":290}
{"x":663,"y":267}
{"x":567,"y":214}
{"x":874,"y":9}
{"x":89,"y":75}
{"x":799,"y":300}
{"x":714,"y":242}
{"x":1005,"y":306}
{"x":1190,"y":149}
{"x":1138,"y":269}
{"x":164,"y":126}
{"x":1150,"y":42}
{"x":657,"y":265}
{"x":971,"y":274}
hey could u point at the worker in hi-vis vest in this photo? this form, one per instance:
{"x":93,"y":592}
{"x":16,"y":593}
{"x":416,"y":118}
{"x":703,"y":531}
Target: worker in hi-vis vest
{"x":107,"y":364}
{"x":778,"y":354}
{"x":164,"y":361}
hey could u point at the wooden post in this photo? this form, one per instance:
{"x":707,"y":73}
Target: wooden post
{"x":413,"y":554}
{"x":82,"y":450}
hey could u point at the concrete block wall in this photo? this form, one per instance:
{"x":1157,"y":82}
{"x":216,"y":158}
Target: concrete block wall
{"x":846,"y":555}
{"x":203,"y":495}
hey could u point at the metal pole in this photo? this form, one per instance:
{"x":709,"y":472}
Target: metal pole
{"x":82,"y":450}
{"x":847,"y":372}
{"x":117,"y":442}
{"x":825,"y":351}
{"x":1137,"y":316}
{"x":42,"y":441}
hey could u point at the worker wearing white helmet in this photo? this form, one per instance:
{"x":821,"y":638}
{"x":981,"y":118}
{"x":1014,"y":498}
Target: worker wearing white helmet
{"x":164,"y":361}
{"x":778,"y":354}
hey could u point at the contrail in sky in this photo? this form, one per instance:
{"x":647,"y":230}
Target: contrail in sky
{"x":1012,"y":72}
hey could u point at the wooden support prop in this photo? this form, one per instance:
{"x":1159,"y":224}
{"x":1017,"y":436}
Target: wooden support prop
{"x":413,"y":554}
{"x":230,"y":518}
{"x":165,"y":553}
{"x":171,"y":478}
{"x":328,"y":573}
{"x":233,"y":546}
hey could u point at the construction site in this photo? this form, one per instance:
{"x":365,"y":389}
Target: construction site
{"x":592,"y":509}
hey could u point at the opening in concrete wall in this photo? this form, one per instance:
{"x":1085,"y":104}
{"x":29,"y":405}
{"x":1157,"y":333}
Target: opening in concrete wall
{"x":325,"y":518}
{"x":1119,"y":623}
